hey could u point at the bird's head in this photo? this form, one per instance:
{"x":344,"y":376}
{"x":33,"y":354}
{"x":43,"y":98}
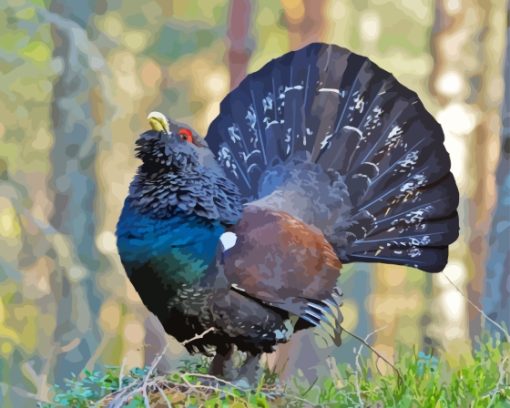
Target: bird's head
{"x":169,"y":144}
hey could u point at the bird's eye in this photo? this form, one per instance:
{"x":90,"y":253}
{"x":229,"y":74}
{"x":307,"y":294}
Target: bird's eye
{"x":186,"y":135}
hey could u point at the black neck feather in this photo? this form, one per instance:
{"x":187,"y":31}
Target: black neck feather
{"x":163,"y":192}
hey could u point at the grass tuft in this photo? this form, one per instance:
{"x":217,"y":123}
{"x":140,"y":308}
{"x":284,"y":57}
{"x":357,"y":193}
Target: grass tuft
{"x":426,"y":381}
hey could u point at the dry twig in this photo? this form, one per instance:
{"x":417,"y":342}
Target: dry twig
{"x":379,"y":355}
{"x":505,"y":332}
{"x":163,"y":395}
{"x":21,"y":392}
{"x":127,"y":393}
{"x":198,"y":336}
{"x":358,"y":353}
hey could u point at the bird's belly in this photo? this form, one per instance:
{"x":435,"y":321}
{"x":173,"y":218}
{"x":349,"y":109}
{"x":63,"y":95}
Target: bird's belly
{"x":162,"y":258}
{"x":188,"y":310}
{"x":168,"y":282}
{"x":235,"y":318}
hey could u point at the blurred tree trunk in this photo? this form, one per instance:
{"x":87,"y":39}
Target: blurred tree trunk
{"x":464,"y":80}
{"x":496,"y":299}
{"x":77,"y":113}
{"x":239,"y":51}
{"x":397,"y":306}
{"x":485,"y":151}
{"x":305,"y":20}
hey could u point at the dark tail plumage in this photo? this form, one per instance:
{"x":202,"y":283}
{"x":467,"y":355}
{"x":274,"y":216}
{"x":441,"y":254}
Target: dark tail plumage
{"x":326,"y":105}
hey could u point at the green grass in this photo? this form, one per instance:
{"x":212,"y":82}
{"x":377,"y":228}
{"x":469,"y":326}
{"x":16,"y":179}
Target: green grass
{"x":482,"y":379}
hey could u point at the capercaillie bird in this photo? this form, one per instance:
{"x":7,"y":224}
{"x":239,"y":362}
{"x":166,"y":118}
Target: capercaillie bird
{"x":319,"y":159}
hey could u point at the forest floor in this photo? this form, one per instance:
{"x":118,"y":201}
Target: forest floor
{"x":479,"y":379}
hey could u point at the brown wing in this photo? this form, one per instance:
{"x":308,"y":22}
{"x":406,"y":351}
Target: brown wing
{"x":281,"y":260}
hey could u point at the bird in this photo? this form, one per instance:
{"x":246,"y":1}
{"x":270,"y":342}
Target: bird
{"x":321,"y":158}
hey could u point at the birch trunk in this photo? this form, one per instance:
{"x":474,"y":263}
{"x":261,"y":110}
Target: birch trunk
{"x":466,"y":46}
{"x":496,"y":299}
{"x":239,"y":51}
{"x":76,"y":128}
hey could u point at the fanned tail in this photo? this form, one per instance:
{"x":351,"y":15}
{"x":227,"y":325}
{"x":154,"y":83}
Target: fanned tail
{"x":361,"y":151}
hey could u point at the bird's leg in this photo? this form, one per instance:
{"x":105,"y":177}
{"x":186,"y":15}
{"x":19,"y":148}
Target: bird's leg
{"x":222,"y":365}
{"x":249,"y":372}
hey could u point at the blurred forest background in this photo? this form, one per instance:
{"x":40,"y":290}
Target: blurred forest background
{"x":77,"y":81}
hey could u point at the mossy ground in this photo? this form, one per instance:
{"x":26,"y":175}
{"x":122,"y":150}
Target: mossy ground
{"x":481,"y":379}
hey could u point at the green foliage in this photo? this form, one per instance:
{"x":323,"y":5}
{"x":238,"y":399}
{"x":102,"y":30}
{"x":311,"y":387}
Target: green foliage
{"x":92,"y":386}
{"x":424,"y":380}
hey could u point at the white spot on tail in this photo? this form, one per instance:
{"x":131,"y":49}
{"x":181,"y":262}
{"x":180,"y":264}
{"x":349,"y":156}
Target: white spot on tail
{"x":394,"y":137}
{"x":360,"y":103}
{"x":234,"y":133}
{"x":267,"y":102}
{"x":333,"y":90}
{"x":251,"y":117}
{"x":325,"y":142}
{"x":290,"y":88}
{"x":273,"y":122}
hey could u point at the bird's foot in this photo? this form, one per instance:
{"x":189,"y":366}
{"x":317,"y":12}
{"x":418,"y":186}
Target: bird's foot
{"x":222,"y":365}
{"x":242,"y":383}
{"x":250,"y":371}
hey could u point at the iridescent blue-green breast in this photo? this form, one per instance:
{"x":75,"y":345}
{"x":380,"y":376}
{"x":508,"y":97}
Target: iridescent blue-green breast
{"x":173,"y":250}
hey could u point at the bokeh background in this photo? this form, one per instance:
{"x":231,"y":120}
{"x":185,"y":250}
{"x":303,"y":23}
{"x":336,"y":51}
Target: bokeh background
{"x":77,"y":81}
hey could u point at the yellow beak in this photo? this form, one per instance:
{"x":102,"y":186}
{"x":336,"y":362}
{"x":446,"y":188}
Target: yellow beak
{"x":158,"y":122}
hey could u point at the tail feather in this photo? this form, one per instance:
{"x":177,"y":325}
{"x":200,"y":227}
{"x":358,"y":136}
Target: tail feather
{"x":326,"y":315}
{"x":379,"y":147}
{"x":428,"y":259}
{"x":438,"y":202}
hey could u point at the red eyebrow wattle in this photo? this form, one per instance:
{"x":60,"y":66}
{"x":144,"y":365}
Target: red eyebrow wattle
{"x":187,"y":133}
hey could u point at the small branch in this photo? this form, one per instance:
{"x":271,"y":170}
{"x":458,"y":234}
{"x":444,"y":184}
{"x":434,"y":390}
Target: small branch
{"x":358,"y":365}
{"x":146,"y":400}
{"x":505,"y":332}
{"x":121,"y":372}
{"x":97,"y":352}
{"x":66,"y":348}
{"x":208,"y":387}
{"x":198,"y":336}
{"x":28,"y":370}
{"x":121,"y":398}
{"x":310,"y":387}
{"x":20,"y":391}
{"x":214,"y":378}
{"x":124,"y":395}
{"x":128,"y":392}
{"x":40,"y":381}
{"x":364,"y":341}
{"x":186,"y":386}
{"x":149,"y":373}
{"x":163,"y":395}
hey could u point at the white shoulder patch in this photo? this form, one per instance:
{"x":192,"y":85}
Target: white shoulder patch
{"x":228,"y":240}
{"x":237,"y":287}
